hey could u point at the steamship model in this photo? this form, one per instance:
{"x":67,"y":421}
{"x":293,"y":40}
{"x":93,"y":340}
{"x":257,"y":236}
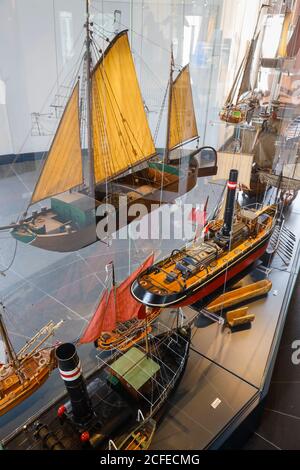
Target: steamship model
{"x":230,"y":245}
{"x":118,"y":406}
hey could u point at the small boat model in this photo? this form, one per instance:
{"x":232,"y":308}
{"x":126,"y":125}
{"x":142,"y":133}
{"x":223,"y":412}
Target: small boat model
{"x":127,"y":334}
{"x":120,"y":398}
{"x":140,"y":438}
{"x":27,"y":370}
{"x":242,"y":98}
{"x":193,"y":273}
{"x":233,"y":114}
{"x":239,"y":317}
{"x":119,"y":320}
{"x":240,"y":295}
{"x":124,"y":167}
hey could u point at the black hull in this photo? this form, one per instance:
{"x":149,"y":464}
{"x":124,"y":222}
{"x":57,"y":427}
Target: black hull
{"x":115,"y":410}
{"x":190,"y":296}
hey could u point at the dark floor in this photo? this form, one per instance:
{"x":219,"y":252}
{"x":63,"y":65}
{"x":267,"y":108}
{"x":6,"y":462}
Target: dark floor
{"x":280,"y":423}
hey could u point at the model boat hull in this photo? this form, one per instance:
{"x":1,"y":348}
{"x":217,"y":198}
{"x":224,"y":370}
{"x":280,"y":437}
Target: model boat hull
{"x":140,"y":438}
{"x":233,"y":115}
{"x":125,"y":336}
{"x":35,"y":370}
{"x":240,"y":295}
{"x":73,"y":239}
{"x":214,"y":282}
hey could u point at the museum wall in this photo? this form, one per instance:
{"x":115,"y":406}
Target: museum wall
{"x":40,"y":43}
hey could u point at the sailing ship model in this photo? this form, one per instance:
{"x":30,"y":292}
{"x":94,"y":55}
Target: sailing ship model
{"x":119,"y":404}
{"x":124,"y":167}
{"x":230,"y":246}
{"x":284,"y":80}
{"x":119,"y":320}
{"x":27,"y":370}
{"x":242,"y":98}
{"x":287,"y":180}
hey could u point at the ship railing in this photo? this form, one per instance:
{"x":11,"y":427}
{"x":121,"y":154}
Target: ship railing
{"x":138,"y":392}
{"x":162,"y":385}
{"x":254,"y":206}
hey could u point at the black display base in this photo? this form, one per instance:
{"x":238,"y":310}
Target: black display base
{"x":219,"y":402}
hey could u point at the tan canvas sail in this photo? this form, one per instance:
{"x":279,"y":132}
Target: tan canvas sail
{"x":239,"y":161}
{"x":232,"y":92}
{"x":121,"y":134}
{"x":62,"y":169}
{"x":183,"y":126}
{"x":294,"y":42}
{"x":246,"y":78}
{"x":282,"y":48}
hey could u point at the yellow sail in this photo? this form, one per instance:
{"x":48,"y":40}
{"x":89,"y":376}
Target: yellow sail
{"x":62,"y":169}
{"x":183,"y":126}
{"x":282,"y":48}
{"x":121,"y":134}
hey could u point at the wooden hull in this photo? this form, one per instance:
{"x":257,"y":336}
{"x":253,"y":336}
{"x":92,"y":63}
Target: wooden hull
{"x":233,"y":115}
{"x":140,"y":438}
{"x":206,"y":288}
{"x":242,"y":294}
{"x":35,"y":370}
{"x":124,"y":340}
{"x":76,"y":239}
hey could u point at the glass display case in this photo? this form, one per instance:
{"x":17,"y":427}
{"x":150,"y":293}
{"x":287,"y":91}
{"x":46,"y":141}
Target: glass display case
{"x":60,"y":95}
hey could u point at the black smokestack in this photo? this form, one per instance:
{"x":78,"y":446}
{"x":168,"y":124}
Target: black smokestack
{"x":229,"y":209}
{"x":71,"y":373}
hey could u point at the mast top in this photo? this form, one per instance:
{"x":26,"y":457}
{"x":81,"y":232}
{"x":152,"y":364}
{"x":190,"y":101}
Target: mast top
{"x":3,"y":332}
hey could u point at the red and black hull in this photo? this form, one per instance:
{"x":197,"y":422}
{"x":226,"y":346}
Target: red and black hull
{"x":206,"y":288}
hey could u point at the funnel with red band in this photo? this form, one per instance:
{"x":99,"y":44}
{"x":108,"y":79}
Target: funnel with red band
{"x":71,"y":373}
{"x":229,"y":208}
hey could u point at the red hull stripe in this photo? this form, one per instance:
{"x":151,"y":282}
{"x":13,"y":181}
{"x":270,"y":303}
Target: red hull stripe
{"x":220,"y":280}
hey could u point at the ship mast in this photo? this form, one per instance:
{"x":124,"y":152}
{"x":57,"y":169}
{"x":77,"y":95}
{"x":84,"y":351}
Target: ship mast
{"x":89,"y":103}
{"x":166,"y":154}
{"x":8,"y":346}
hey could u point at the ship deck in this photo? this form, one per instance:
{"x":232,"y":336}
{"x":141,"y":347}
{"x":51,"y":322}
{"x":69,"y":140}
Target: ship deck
{"x":234,"y":367}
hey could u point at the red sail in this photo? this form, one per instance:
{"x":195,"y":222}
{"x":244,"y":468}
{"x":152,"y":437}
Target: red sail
{"x":142,"y":312}
{"x":127,"y":306}
{"x":116,"y":306}
{"x":93,"y":330}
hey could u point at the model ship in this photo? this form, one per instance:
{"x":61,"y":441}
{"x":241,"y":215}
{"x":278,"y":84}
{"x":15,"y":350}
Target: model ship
{"x":140,"y":438}
{"x":119,"y":320}
{"x":242,"y":98}
{"x":229,"y":247}
{"x":124,"y":167}
{"x":117,"y":405}
{"x":285,"y":82}
{"x":27,"y":370}
{"x":240,"y":295}
{"x":268,"y":120}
